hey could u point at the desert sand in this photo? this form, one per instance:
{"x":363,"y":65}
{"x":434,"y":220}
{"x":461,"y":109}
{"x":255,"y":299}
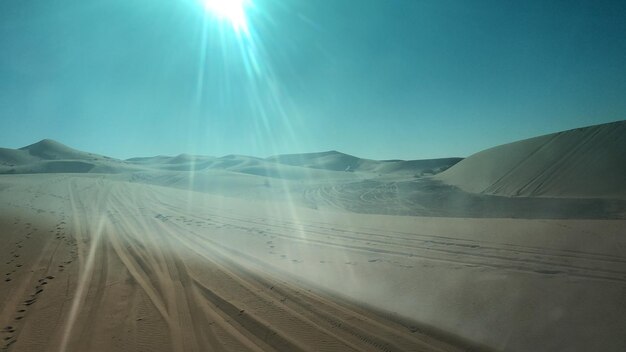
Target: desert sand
{"x":316,"y":252}
{"x":585,"y":162}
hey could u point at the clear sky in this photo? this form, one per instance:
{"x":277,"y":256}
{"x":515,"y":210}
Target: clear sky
{"x":375,"y":78}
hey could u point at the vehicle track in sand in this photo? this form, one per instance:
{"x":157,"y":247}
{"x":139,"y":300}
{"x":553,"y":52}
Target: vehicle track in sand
{"x":128,"y":280}
{"x":138,"y":267}
{"x":262,"y":315}
{"x":529,"y":259}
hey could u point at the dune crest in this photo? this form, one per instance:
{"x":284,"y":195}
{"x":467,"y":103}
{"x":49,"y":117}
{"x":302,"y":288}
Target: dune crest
{"x":585,"y":162}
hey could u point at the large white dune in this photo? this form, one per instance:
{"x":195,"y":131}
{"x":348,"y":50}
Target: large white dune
{"x":584,"y":162}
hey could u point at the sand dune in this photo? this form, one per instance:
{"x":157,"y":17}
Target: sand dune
{"x":316,"y":252}
{"x":334,"y":160}
{"x":179,"y":162}
{"x":585,"y":162}
{"x":51,"y":156}
{"x":48,"y":149}
{"x":300,"y":166}
{"x":48,"y":156}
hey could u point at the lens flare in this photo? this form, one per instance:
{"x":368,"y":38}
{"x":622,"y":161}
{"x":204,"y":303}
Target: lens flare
{"x":234,"y":56}
{"x":233,"y":11}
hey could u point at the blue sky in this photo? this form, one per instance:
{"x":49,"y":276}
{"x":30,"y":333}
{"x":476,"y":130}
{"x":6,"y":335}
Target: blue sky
{"x":380,"y":79}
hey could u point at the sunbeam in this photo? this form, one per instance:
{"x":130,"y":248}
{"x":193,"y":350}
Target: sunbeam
{"x":270,"y":175}
{"x":234,"y":58}
{"x":233,"y":11}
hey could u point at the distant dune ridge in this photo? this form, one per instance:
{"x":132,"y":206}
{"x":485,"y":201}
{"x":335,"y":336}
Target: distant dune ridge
{"x":337,"y":161}
{"x":48,"y":149}
{"x":584,"y":162}
{"x":48,"y":156}
{"x":51,"y":156}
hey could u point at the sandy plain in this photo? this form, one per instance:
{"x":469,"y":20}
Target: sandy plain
{"x":317,"y":252}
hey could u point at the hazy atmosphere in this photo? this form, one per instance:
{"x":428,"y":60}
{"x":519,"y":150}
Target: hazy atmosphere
{"x":312,"y":176}
{"x":395,"y":79}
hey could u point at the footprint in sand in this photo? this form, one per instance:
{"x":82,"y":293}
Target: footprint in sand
{"x":9,"y":343}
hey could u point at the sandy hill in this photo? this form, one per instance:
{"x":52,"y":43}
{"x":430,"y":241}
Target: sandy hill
{"x":46,"y":149}
{"x":265,"y":168}
{"x":331,"y":160}
{"x":51,"y":156}
{"x":48,"y":156}
{"x":235,"y":164}
{"x":12,"y":157}
{"x":584,"y":162}
{"x":181,"y":162}
{"x":49,"y":149}
{"x":171,"y":160}
{"x":337,"y":161}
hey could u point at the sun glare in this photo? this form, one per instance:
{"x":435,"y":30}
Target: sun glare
{"x":233,"y":11}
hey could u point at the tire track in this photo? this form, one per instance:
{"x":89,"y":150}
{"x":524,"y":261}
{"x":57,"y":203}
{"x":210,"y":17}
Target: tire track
{"x":534,"y":262}
{"x":249,"y":282}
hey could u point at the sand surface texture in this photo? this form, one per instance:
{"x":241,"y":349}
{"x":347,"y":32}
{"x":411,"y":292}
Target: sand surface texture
{"x":585,"y":162}
{"x":98,"y":264}
{"x":95,"y":265}
{"x":317,"y":252}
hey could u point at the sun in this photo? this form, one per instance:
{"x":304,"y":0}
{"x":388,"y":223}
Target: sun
{"x":233,"y":11}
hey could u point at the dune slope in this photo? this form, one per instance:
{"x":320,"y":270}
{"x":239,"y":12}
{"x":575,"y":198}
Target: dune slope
{"x":48,"y":156}
{"x":337,"y":161}
{"x":585,"y":162}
